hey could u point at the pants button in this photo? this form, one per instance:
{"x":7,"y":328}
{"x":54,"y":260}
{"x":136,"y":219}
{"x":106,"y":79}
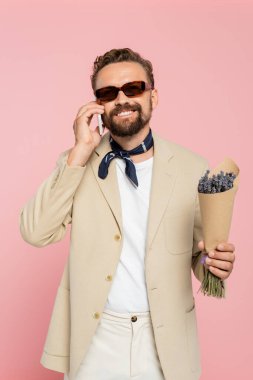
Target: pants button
{"x":134,"y":318}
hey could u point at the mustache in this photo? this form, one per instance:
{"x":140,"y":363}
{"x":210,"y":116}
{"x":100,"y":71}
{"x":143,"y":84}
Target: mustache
{"x":125,"y":108}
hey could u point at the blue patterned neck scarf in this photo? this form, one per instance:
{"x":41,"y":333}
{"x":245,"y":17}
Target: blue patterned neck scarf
{"x":117,"y":151}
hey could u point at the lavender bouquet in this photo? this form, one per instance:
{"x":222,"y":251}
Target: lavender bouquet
{"x":216,"y":191}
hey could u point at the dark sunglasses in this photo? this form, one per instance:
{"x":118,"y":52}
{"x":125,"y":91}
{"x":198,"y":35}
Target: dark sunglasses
{"x":131,"y":89}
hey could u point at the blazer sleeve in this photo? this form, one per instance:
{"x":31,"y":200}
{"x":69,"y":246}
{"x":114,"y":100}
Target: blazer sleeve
{"x":197,"y":267}
{"x":44,"y":218}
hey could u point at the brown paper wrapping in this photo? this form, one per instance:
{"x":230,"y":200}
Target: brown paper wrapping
{"x":217,"y":209}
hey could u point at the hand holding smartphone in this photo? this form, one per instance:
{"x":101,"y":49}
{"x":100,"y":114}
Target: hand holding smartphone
{"x":86,"y":139}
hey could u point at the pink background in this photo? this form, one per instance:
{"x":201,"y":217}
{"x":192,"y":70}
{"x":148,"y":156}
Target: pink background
{"x":202,"y":57}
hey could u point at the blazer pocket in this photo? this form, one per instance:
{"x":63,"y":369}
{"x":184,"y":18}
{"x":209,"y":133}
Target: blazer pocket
{"x":192,"y":339}
{"x":178,"y":230}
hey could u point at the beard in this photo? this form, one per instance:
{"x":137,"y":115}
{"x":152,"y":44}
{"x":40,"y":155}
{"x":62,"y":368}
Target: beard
{"x":126,"y":127}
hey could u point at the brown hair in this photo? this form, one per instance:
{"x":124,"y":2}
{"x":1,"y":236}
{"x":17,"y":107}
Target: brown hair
{"x":121,"y":55}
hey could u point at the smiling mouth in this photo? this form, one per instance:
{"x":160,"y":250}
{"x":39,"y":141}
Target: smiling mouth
{"x":125,"y":113}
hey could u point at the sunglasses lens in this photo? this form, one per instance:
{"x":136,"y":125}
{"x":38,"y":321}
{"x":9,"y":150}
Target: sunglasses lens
{"x":107,"y":94}
{"x":134,"y":88}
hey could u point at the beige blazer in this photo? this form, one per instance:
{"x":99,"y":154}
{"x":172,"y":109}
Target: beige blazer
{"x":78,"y":196}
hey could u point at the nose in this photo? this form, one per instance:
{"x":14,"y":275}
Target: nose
{"x":121,"y":98}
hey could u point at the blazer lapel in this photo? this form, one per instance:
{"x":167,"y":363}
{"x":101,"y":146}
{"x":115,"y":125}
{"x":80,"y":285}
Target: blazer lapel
{"x":109,"y":185}
{"x":163,"y":179}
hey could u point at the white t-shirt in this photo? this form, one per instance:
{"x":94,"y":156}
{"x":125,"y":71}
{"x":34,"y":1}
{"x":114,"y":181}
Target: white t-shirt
{"x":128,"y":292}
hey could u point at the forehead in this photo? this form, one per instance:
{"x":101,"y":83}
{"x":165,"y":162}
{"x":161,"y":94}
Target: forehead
{"x":116,"y":74}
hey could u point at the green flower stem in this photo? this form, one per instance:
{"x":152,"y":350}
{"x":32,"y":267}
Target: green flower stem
{"x":212,"y":285}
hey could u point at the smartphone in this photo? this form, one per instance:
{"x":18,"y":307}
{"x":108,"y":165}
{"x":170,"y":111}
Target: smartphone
{"x":100,"y":124}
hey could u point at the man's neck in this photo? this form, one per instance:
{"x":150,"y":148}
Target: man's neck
{"x":131,"y":142}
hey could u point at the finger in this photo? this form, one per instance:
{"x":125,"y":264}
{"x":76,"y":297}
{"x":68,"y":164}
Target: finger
{"x":201,"y":245}
{"x":220,"y":264}
{"x":90,"y":112}
{"x":224,"y":246}
{"x":87,"y":116}
{"x":88,"y":106}
{"x":95,"y":110}
{"x":219,"y":273}
{"x":220,"y":255}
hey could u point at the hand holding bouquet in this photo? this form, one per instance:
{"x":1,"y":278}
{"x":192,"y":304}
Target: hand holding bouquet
{"x":216,"y":190}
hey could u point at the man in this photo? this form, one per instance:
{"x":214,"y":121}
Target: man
{"x":124,"y":308}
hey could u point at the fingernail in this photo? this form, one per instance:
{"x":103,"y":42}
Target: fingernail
{"x":211,"y":254}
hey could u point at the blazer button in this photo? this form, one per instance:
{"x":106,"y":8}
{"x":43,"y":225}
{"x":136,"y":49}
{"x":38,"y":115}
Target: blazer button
{"x":96,"y":315}
{"x":117,"y":237}
{"x":109,"y":277}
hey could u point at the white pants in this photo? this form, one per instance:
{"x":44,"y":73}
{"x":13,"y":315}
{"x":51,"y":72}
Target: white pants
{"x":122,"y":348}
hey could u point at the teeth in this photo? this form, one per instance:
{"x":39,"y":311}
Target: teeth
{"x":125,"y":113}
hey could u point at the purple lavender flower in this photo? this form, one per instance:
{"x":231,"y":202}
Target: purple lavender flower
{"x":217,"y":183}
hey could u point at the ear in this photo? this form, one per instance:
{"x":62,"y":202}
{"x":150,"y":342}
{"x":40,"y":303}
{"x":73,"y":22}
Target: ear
{"x":154,"y":98}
